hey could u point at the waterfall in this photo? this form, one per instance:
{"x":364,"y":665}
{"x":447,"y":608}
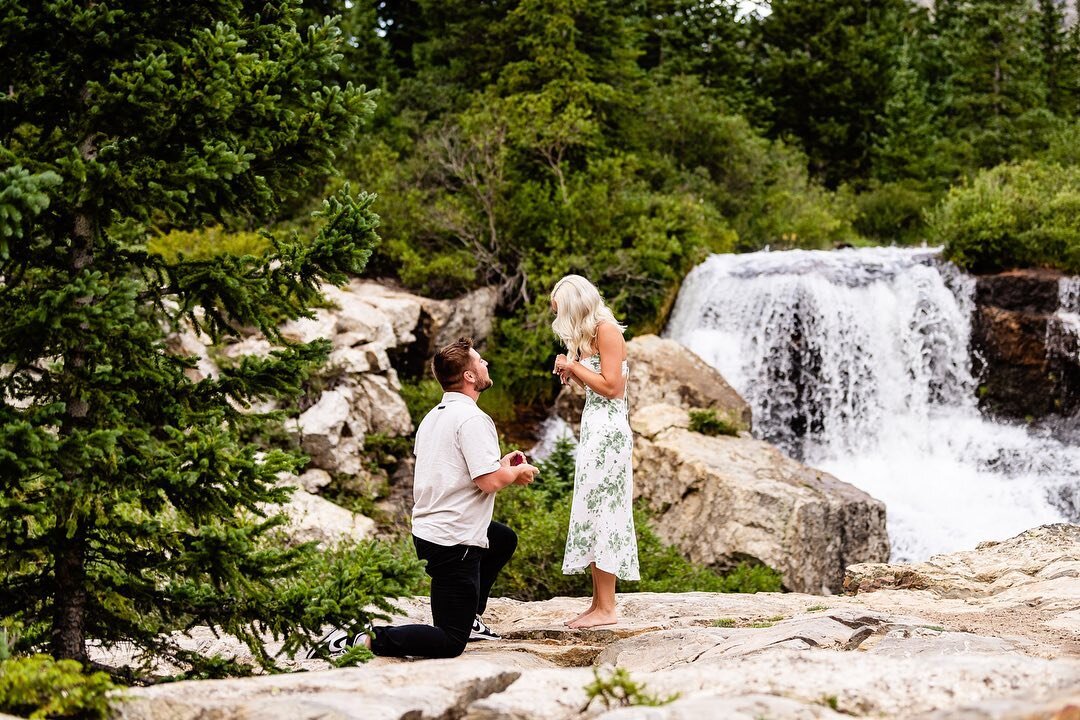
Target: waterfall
{"x":1063,"y":330}
{"x":857,"y":362}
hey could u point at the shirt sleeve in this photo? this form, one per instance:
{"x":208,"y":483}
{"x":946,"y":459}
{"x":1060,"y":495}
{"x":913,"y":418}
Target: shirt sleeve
{"x":479,"y":445}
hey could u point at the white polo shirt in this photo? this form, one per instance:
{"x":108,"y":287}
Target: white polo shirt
{"x":455,"y":444}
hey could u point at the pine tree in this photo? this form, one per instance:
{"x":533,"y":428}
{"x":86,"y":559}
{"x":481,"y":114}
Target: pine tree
{"x":905,"y":141}
{"x":701,"y":38}
{"x":825,"y":64}
{"x":131,"y":505}
{"x":995,"y":86}
{"x":1060,"y":45}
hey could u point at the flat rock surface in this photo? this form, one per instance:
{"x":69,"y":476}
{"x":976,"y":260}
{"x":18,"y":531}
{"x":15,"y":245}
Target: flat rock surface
{"x":976,"y":640}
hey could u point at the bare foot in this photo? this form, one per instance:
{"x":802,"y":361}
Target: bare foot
{"x":595,"y":619}
{"x":570,"y":622}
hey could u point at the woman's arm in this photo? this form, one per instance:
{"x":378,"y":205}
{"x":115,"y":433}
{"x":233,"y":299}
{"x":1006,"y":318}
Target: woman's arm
{"x":610,"y":381}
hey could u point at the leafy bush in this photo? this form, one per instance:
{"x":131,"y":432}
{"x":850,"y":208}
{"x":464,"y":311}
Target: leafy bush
{"x":206,"y":243}
{"x":708,"y":422}
{"x":542,"y":511}
{"x":41,"y":687}
{"x":690,"y":138}
{"x":893,"y":212}
{"x":1012,"y":216}
{"x":439,"y":274}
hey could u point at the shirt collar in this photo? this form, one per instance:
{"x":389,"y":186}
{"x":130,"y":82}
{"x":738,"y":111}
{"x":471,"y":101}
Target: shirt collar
{"x":451,"y":396}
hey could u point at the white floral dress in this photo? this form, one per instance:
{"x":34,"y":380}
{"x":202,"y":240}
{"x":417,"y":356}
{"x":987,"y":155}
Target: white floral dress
{"x":602,"y":513}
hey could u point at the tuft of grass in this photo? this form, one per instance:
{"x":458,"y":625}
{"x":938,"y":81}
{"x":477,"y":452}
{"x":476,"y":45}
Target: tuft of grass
{"x":708,"y":422}
{"x":760,"y":625}
{"x":816,"y":608}
{"x":724,"y":622}
{"x":831,"y":701}
{"x":619,"y":690}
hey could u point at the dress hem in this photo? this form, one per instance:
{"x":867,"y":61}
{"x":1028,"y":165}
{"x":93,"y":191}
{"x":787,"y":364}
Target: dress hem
{"x":578,"y":570}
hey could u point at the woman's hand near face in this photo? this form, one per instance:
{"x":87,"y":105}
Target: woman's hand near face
{"x":564,"y":369}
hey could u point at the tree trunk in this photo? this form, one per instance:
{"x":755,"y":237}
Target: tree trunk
{"x":69,"y":604}
{"x":69,"y":609}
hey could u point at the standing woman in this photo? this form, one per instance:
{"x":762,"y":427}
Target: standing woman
{"x":601,"y":537}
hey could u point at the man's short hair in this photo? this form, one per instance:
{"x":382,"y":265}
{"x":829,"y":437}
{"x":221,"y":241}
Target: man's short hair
{"x":451,"y":362}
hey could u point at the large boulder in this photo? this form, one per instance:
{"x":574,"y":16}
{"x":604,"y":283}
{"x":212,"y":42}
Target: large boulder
{"x":316,"y":519}
{"x":422,"y":325}
{"x":722,"y":499}
{"x":663,"y":371}
{"x":1039,"y":563}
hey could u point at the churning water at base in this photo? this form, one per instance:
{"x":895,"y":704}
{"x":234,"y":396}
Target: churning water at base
{"x":857,"y":362}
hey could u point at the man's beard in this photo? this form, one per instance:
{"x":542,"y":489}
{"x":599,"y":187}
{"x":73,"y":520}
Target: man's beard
{"x":482,"y":385}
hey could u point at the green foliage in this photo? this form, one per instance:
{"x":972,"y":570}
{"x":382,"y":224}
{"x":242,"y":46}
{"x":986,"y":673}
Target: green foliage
{"x":994,"y":93}
{"x":905,"y":145}
{"x":827,"y":65}
{"x":344,"y":586}
{"x":708,"y":422}
{"x":724,"y":623}
{"x":420,"y":396}
{"x":40,"y":687}
{"x":207,"y":243}
{"x":618,"y":689}
{"x":704,"y":39}
{"x":535,"y":572}
{"x":439,"y":274}
{"x":1012,"y":216}
{"x":690,"y":139}
{"x":210,"y":667}
{"x":355,"y":655}
{"x":893,"y":212}
{"x":22,"y":197}
{"x":557,"y":470}
{"x":135,"y":503}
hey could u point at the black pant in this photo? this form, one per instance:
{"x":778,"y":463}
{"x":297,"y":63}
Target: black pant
{"x":461,"y":578}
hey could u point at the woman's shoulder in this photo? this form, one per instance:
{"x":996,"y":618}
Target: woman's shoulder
{"x":609,"y":339}
{"x":608,"y":328}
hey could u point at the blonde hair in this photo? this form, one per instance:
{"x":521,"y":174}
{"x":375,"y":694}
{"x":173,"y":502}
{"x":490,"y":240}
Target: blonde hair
{"x":579,"y":310}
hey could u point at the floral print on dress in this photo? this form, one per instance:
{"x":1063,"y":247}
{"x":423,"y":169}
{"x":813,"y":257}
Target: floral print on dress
{"x":602,"y":513}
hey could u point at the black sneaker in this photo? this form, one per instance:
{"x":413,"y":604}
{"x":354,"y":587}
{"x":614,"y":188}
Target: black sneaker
{"x":480,"y":631}
{"x":338,"y":642}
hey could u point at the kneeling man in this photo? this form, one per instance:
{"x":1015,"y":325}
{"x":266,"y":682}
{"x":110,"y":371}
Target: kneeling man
{"x":458,"y":472}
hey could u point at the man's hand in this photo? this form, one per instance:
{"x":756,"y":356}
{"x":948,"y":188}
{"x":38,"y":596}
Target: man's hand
{"x":513,"y":458}
{"x":526,"y":474}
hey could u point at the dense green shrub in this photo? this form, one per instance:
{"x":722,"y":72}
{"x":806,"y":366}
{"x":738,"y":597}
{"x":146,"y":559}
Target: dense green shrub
{"x":893,"y":212}
{"x":40,"y":687}
{"x":690,"y":139}
{"x":1012,"y":216}
{"x":541,"y":515}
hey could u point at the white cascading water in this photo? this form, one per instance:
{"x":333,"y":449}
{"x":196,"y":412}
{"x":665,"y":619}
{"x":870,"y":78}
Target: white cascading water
{"x":857,"y":362}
